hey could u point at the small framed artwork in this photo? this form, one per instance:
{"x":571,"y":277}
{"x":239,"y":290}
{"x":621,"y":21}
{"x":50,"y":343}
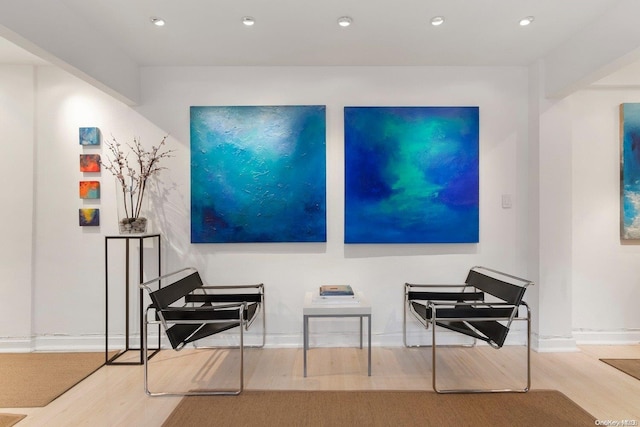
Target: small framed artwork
{"x":89,"y":136}
{"x":89,"y":189}
{"x":89,"y":162}
{"x":89,"y":217}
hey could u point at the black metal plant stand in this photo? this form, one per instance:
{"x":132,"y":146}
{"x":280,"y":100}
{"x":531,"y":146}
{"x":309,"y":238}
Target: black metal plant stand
{"x":140,"y":238}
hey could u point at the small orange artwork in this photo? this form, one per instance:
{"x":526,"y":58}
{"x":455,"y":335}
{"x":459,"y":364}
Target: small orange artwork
{"x":89,"y":189}
{"x":89,"y":162}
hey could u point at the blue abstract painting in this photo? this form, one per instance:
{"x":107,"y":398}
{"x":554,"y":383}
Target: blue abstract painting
{"x":630,"y":173}
{"x":411,"y":174}
{"x":258,"y":174}
{"x":89,"y":136}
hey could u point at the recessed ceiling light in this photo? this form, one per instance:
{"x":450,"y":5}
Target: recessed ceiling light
{"x":158,"y":22}
{"x":526,"y":21}
{"x":345,"y":21}
{"x":437,"y":20}
{"x":248,"y":21}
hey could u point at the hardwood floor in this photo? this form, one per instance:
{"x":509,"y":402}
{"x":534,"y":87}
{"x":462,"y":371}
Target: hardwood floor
{"x":113,"y":396}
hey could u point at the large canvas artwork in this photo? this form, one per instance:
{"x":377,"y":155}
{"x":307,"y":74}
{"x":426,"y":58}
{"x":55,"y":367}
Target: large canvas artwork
{"x":630,"y":171}
{"x":411,"y":174}
{"x":258,"y":174}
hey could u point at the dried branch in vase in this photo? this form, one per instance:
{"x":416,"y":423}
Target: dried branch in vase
{"x":132,"y":175}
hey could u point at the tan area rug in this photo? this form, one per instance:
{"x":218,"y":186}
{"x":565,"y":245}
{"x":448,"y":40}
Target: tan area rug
{"x":30,"y":380}
{"x":8,"y":420}
{"x":379,"y":408}
{"x":628,"y":366}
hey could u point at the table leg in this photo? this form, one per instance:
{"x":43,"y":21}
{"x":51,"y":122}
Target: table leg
{"x":127,"y":296}
{"x":140,"y":291}
{"x":360,"y":332}
{"x":305,"y":341}
{"x":369,"y":350}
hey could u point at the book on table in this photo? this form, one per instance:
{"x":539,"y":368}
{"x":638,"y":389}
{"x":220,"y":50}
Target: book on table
{"x":336,"y":291}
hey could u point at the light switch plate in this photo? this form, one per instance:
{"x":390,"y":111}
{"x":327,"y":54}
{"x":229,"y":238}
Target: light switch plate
{"x":506,"y":201}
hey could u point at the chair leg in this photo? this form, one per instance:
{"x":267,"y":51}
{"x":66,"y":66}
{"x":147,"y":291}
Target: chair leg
{"x":207,"y":392}
{"x":241,"y":358}
{"x":404,"y":329}
{"x":451,"y":391}
{"x":145,"y":357}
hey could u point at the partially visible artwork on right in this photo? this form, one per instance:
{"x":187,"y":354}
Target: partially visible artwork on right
{"x":630,"y":171}
{"x":89,"y":136}
{"x":89,"y":217}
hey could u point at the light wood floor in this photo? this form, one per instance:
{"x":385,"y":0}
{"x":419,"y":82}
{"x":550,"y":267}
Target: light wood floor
{"x":113,"y":396}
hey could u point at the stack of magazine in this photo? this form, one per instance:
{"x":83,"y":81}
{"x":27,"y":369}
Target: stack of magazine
{"x":336,"y":294}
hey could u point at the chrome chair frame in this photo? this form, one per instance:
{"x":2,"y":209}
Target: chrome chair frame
{"x":525,"y":389}
{"x":492,"y":285}
{"x":408,"y":287}
{"x":220,"y":314}
{"x":260,"y":307}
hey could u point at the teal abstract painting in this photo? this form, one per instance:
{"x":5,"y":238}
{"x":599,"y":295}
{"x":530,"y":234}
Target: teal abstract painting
{"x":630,"y":171}
{"x":258,"y":174}
{"x":89,"y":136}
{"x":411,"y":174}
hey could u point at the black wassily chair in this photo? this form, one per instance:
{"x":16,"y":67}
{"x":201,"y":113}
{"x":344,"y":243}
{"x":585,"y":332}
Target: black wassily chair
{"x":484,"y":308}
{"x":189,"y":311}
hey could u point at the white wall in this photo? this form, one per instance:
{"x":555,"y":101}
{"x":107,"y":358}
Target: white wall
{"x":52,"y":269}
{"x":69,"y":294}
{"x":288,"y":270}
{"x":65,"y":308}
{"x":606,"y":279}
{"x":68,"y":269}
{"x":554,"y":232}
{"x":17,"y":98}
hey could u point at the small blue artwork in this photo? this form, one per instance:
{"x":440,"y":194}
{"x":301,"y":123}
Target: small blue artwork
{"x":411,"y":174}
{"x":89,"y":136}
{"x":630,"y":173}
{"x":258,"y":174}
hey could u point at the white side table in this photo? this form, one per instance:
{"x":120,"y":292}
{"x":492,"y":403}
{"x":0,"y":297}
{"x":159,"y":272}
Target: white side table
{"x":361,"y":309}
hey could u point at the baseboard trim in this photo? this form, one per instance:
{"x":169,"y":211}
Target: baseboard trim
{"x":539,"y":344}
{"x":16,"y":345}
{"x":591,"y":337}
{"x":553,"y":344}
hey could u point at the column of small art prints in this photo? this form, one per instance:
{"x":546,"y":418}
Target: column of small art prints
{"x":89,"y":137}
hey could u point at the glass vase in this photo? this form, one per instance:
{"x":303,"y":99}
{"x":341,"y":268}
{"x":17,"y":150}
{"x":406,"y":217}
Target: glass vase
{"x":128,"y":223}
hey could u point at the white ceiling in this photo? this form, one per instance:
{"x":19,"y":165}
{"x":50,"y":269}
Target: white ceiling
{"x":577,"y":42}
{"x":305,"y":32}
